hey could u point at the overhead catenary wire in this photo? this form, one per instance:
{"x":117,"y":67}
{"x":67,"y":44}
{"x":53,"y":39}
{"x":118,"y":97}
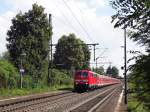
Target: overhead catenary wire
{"x":74,"y":16}
{"x":61,"y":21}
{"x":67,"y":22}
{"x":105,"y":49}
{"x":83,"y":19}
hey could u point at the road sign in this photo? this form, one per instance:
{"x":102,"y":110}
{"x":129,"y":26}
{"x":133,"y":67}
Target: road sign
{"x":22,"y":70}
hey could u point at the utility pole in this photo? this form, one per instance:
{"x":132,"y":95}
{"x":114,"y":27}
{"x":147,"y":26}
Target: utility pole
{"x":94,"y":48}
{"x":96,"y":62}
{"x":50,"y":52}
{"x":21,"y":68}
{"x":125,"y":67}
{"x":21,"y":74}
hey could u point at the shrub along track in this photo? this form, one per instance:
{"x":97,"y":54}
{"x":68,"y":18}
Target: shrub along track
{"x":59,"y":102}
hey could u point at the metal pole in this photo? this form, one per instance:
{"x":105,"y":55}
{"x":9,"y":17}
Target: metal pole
{"x":50,"y":49}
{"x":94,"y":52}
{"x":96,"y":64}
{"x":125,"y":67}
{"x":21,"y":74}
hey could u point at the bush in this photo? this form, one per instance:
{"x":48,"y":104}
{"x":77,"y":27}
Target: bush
{"x":10,"y":78}
{"x":27,"y":81}
{"x":60,"y":78}
{"x":8,"y":75}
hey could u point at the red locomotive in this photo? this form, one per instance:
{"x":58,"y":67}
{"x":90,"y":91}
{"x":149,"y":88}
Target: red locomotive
{"x":86,"y":79}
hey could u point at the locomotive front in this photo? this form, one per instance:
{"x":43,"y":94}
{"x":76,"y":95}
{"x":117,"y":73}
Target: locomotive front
{"x":81,"y":80}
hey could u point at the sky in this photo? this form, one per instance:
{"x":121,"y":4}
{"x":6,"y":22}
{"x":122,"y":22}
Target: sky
{"x":89,"y":20}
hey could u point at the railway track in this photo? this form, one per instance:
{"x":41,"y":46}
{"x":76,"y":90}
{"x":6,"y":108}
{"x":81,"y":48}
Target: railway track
{"x":60,"y":102}
{"x":92,"y":104}
{"x":15,"y":104}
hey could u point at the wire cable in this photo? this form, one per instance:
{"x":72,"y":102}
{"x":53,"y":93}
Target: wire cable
{"x":67,"y":22}
{"x":77,"y":20}
{"x":83,"y":19}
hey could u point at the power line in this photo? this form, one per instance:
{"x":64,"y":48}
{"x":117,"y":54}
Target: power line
{"x":101,"y":63}
{"x":82,"y":16}
{"x":67,"y":20}
{"x":83,"y":20}
{"x":105,"y":49}
{"x":77,"y":20}
{"x":60,"y":20}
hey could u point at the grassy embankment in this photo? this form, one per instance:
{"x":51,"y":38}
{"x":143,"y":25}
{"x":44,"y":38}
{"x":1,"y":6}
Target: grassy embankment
{"x":6,"y":93}
{"x":133,"y":104}
{"x":10,"y":81}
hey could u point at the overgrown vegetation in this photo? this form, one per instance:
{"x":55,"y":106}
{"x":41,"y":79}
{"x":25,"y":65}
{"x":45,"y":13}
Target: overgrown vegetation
{"x":5,"y":93}
{"x":10,"y":81}
{"x":29,"y":34}
{"x":8,"y":75}
{"x":134,"y":14}
{"x":135,"y":105}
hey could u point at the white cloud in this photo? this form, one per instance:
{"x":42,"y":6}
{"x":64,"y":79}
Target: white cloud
{"x":99,"y":27}
{"x":5,"y":22}
{"x":93,"y":3}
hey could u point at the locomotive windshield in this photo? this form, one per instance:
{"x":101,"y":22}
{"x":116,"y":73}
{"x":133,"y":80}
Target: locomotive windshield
{"x":82,"y":74}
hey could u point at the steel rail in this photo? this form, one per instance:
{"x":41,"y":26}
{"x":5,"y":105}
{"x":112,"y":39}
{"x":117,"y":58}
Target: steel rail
{"x":102,"y":101}
{"x":14,"y":102}
{"x":88,"y":100}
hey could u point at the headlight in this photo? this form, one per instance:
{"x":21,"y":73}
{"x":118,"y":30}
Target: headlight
{"x":76,"y":82}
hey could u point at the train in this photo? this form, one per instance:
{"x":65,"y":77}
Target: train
{"x":88,"y":80}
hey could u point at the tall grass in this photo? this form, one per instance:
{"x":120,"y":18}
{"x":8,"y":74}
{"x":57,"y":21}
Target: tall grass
{"x":6,"y":93}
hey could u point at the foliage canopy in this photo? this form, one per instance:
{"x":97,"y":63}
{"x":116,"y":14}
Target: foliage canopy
{"x":71,"y":51}
{"x":99,"y":70}
{"x":135,"y":14}
{"x":112,"y":71}
{"x":30,"y":34}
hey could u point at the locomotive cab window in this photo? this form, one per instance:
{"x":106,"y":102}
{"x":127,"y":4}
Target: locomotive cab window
{"x":84,"y":74}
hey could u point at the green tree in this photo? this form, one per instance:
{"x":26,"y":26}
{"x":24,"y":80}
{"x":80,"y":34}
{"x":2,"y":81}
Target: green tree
{"x":71,"y":51}
{"x":5,"y":56}
{"x":102,"y":72}
{"x":30,"y":34}
{"x":99,"y":70}
{"x":135,"y":14}
{"x":109,"y":71}
{"x":112,"y":71}
{"x":115,"y":72}
{"x":140,"y":77}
